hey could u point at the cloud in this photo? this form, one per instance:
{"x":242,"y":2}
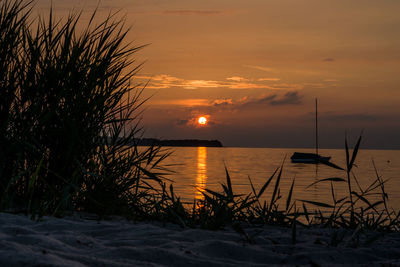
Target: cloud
{"x":192,"y":12}
{"x":168,"y":81}
{"x":237,"y":79}
{"x":248,"y":85}
{"x":216,"y":105}
{"x":191,"y":102}
{"x":328,"y":59}
{"x":290,"y":98}
{"x":223,"y":102}
{"x":268,"y":79}
{"x":166,"y":78}
{"x":264,"y":99}
{"x":194,"y":84}
{"x":331,"y":80}
{"x":164,"y":81}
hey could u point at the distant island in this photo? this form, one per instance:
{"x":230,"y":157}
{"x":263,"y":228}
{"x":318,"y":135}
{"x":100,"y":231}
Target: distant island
{"x":184,"y":142}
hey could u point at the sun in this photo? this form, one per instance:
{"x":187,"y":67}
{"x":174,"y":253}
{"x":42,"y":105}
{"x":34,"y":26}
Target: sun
{"x":202,"y":120}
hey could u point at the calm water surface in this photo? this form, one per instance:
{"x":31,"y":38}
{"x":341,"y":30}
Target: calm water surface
{"x":200,"y":167}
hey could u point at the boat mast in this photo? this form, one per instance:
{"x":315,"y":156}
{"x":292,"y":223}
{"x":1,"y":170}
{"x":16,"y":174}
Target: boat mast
{"x":316,"y":125}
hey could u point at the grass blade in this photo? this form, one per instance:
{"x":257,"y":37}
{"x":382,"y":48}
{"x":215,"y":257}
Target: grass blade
{"x":289,"y":198}
{"x":354,"y":155}
{"x":333,"y":194}
{"x":330,"y":164}
{"x":252,"y":186}
{"x":266,"y":184}
{"x":332,"y":179}
{"x":275,"y":194}
{"x":228,"y":181}
{"x":218,"y":195}
{"x":316,"y":203}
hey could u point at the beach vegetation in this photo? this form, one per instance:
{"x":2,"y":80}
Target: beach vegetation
{"x":362,"y":209}
{"x":69,"y":127}
{"x":69,"y":108}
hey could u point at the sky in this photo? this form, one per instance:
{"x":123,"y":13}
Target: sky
{"x":254,"y":68}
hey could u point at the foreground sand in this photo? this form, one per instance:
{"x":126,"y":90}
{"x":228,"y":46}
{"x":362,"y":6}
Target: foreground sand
{"x":79,"y":242}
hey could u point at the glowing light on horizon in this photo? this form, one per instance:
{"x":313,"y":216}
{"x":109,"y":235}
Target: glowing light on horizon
{"x":202,"y":120}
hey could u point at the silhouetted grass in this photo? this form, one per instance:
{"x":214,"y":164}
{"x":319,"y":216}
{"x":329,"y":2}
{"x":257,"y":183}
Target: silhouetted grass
{"x":354,"y":211}
{"x":68,"y":111}
{"x":69,"y":116}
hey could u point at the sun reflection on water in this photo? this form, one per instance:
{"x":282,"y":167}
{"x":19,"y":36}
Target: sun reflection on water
{"x":201,"y":177}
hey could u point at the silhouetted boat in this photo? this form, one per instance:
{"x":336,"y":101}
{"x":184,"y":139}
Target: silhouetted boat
{"x":312,"y":158}
{"x":299,"y":157}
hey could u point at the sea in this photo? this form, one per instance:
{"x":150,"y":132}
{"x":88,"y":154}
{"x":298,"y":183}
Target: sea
{"x":195,"y":168}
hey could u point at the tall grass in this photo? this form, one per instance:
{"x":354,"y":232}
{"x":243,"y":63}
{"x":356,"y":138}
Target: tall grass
{"x":12,"y":24}
{"x":363,"y":207}
{"x":68,"y":131}
{"x":356,"y":209}
{"x":68,"y":111}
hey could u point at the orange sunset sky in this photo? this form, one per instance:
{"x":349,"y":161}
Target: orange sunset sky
{"x":253,"y":68}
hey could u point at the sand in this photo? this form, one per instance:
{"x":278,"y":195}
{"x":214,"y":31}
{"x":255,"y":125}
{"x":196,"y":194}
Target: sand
{"x":74,"y":241}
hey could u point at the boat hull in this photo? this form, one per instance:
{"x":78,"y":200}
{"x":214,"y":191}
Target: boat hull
{"x":310,"y":158}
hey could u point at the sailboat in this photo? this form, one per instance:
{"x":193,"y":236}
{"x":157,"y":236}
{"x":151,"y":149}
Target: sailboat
{"x":312,"y":158}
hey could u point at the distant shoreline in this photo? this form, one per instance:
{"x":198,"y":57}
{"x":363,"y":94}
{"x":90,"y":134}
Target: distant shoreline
{"x":179,"y":143}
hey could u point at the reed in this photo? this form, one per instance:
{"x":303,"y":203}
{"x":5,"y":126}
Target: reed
{"x":355,"y":211}
{"x":68,"y":110}
{"x":69,"y":124}
{"x":12,"y":23}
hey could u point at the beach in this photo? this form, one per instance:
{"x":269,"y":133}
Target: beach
{"x":83,"y":241}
